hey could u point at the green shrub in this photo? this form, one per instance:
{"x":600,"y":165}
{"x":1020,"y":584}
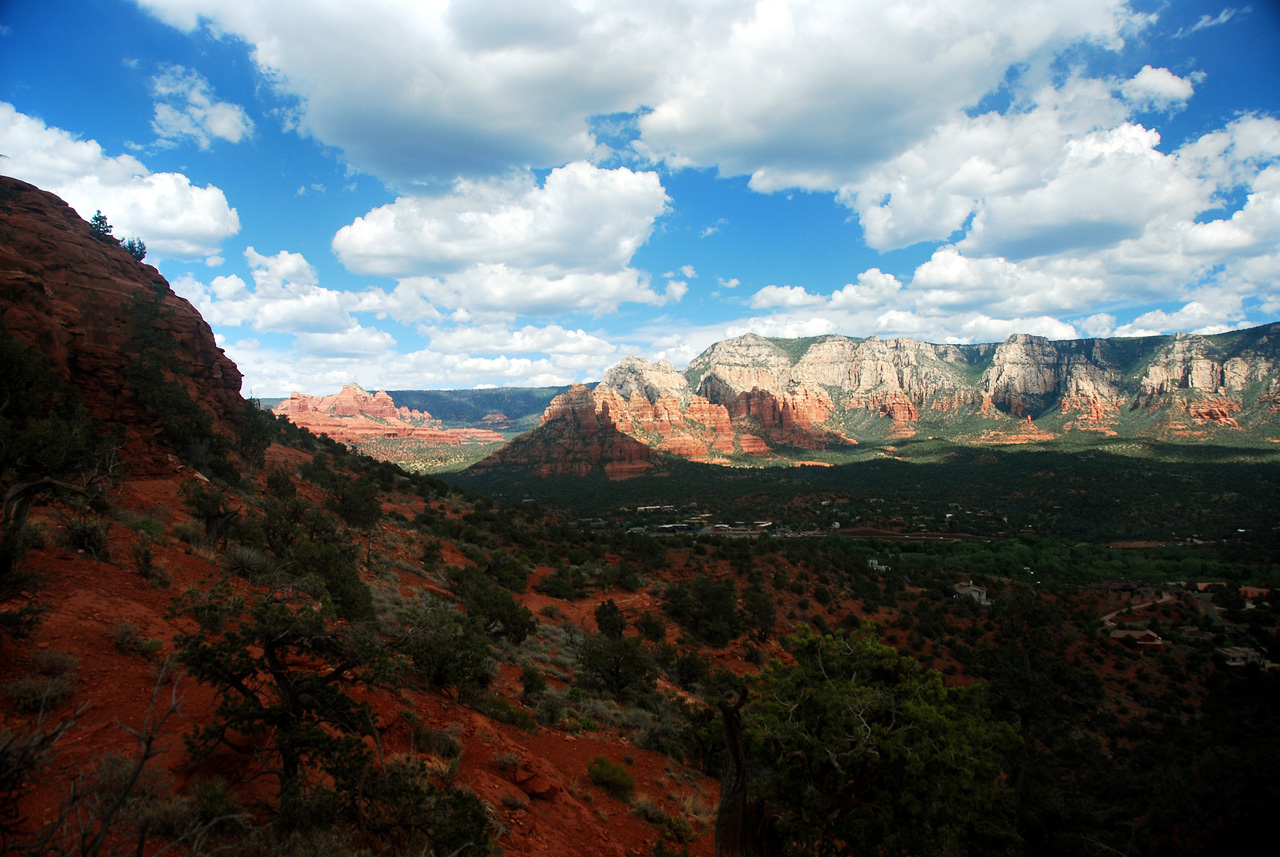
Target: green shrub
{"x":87,"y":534}
{"x":129,"y":641}
{"x":706,"y":609}
{"x":246,"y":562}
{"x":30,"y":694}
{"x":51,"y":663}
{"x":280,"y":486}
{"x":532,"y":682}
{"x":54,"y":681}
{"x":501,"y":709}
{"x":442,"y":744}
{"x":33,"y":536}
{"x":565,"y":583}
{"x":611,"y":777}
{"x":651,"y":627}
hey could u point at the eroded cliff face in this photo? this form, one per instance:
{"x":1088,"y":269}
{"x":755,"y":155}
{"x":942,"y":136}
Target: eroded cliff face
{"x":353,"y":414}
{"x":67,"y":294}
{"x":578,"y":436}
{"x":751,"y":395}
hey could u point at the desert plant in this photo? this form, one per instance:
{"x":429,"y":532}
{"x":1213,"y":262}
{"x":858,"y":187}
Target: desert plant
{"x":280,"y":663}
{"x":84,"y":532}
{"x":135,"y":248}
{"x":532,"y":682}
{"x":100,"y":227}
{"x":612,"y":777}
{"x":53,"y":682}
{"x":246,"y":562}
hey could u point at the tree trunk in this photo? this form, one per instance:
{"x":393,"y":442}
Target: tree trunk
{"x":731,"y":815}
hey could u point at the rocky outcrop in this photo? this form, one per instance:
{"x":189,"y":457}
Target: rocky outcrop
{"x":66,"y":293}
{"x":1030,"y":374}
{"x":353,"y":415}
{"x":578,"y":436}
{"x":652,"y":381}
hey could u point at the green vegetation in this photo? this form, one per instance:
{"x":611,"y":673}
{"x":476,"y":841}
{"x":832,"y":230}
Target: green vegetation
{"x":611,"y":777}
{"x":862,"y":751}
{"x":466,"y":408}
{"x":49,"y":449}
{"x":1110,"y":490}
{"x":102,"y":231}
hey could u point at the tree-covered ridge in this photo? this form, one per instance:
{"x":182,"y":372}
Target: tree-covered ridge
{"x":523,"y":406}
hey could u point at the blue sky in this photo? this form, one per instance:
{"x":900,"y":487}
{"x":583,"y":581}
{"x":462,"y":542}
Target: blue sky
{"x":421,"y":194}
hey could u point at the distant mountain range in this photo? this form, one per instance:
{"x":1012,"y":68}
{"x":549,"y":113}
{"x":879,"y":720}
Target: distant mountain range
{"x":752,"y":398}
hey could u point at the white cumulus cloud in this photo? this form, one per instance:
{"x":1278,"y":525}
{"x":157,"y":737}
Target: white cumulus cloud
{"x":794,"y":93}
{"x":1158,"y":89}
{"x":186,"y":109}
{"x":581,"y":218}
{"x":174,"y":217}
{"x":513,"y":246}
{"x":784,"y":296}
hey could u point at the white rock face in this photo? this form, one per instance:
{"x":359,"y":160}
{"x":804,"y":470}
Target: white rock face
{"x":651,"y":380}
{"x":788,"y":386}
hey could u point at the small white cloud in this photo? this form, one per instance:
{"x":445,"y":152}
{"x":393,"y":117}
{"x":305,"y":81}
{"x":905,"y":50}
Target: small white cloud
{"x":186,"y":110}
{"x":783,"y":296}
{"x":355,"y":342}
{"x":286,"y":298}
{"x":676,"y":290}
{"x":713,"y":229}
{"x":501,"y":339}
{"x":731,"y":283}
{"x":874,"y":288}
{"x":1099,"y":325}
{"x":688,"y":271}
{"x":582,"y":218}
{"x":1207,"y":21}
{"x":510,"y":246}
{"x":1157,"y":89}
{"x":1196,"y":316}
{"x":273,"y":272}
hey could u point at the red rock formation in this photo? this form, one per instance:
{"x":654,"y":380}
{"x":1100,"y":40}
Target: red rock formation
{"x":496,"y":422}
{"x":353,"y":415}
{"x":714,"y":417}
{"x":66,"y":293}
{"x":1217,"y":410}
{"x":578,"y":436}
{"x":1088,"y":408}
{"x":897,"y":407}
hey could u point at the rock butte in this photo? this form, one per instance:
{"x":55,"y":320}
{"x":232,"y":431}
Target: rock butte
{"x":353,"y":415}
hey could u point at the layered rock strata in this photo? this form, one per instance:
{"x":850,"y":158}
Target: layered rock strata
{"x":751,"y":395}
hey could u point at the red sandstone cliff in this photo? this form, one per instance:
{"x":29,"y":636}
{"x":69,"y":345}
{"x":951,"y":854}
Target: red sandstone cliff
{"x":578,"y":436}
{"x":353,"y":414}
{"x":66,"y":293}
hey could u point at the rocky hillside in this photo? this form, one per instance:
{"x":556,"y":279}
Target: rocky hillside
{"x":353,"y":415}
{"x":755,"y":397}
{"x":76,"y":298}
{"x":112,"y":576}
{"x":578,"y":437}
